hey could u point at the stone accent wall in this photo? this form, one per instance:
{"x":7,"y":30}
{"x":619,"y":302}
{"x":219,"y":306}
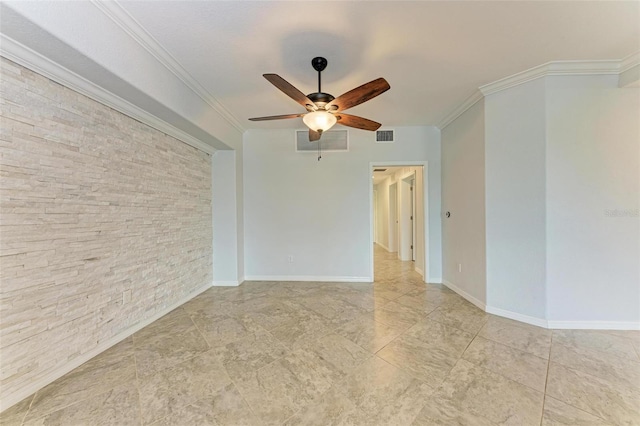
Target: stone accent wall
{"x":93,"y":205}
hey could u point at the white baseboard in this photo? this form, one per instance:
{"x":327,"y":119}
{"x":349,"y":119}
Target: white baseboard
{"x":384,"y":247}
{"x":226,"y":283}
{"x":435,"y":280}
{"x":54,"y":375}
{"x":595,"y":325}
{"x":539,"y":322}
{"x":321,"y":278}
{"x":480,"y":304}
{"x":420,"y":271}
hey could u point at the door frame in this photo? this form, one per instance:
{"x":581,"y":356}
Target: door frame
{"x":425,"y":197}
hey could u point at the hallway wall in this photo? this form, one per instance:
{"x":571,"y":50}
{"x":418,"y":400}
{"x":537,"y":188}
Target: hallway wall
{"x":384,"y":210}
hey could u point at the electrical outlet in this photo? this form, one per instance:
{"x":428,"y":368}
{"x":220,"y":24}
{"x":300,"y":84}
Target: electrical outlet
{"x":126,"y":296}
{"x":459,"y":267}
{"x":290,"y":258}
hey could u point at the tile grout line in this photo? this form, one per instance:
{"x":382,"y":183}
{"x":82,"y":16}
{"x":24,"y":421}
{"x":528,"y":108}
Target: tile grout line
{"x":546,"y":381}
{"x":135,"y":366}
{"x":33,"y":397}
{"x":569,"y":368}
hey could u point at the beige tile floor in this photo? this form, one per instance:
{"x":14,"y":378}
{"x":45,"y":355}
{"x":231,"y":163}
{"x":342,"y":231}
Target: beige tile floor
{"x":397,"y":352}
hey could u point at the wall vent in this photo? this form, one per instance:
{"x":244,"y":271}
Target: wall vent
{"x":331,"y":141}
{"x":385,"y":136}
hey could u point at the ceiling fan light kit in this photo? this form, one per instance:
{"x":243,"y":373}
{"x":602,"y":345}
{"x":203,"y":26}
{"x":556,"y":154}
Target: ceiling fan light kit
{"x":320,"y":120}
{"x":323,"y":109}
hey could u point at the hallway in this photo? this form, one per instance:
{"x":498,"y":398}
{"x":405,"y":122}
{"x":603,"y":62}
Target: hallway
{"x":397,"y":352}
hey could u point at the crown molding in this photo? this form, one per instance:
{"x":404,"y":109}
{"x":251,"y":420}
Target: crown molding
{"x":606,"y":67}
{"x":554,"y":68}
{"x":468,"y":103}
{"x":133,"y":28}
{"x":33,"y":60}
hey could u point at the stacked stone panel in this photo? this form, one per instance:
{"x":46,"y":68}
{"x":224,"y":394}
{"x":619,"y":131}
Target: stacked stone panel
{"x":93,"y":204}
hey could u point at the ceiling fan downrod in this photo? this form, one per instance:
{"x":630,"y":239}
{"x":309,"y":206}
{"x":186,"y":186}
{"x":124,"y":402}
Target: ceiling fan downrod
{"x":319,"y":64}
{"x":319,"y":98}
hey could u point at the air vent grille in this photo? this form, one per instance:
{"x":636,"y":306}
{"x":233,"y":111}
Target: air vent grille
{"x":379,"y":170}
{"x":384,"y":136}
{"x":331,"y":141}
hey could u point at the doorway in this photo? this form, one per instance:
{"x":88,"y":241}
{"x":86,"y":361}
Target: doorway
{"x":399,"y":214}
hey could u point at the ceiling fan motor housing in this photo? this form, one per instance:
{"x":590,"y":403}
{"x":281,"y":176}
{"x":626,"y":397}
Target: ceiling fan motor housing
{"x":320,"y":98}
{"x":319,"y":63}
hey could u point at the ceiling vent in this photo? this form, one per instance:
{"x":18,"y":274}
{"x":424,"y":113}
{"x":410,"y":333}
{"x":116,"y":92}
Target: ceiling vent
{"x":331,"y":141}
{"x":384,"y":136}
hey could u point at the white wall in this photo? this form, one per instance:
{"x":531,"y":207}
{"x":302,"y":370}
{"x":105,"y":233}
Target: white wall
{"x":463,"y":174}
{"x":227,"y":254}
{"x":593,"y":187}
{"x":318,"y":212}
{"x":515,"y":199}
{"x":562,"y":184}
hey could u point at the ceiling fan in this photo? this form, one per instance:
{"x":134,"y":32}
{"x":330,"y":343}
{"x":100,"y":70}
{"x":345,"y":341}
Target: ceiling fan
{"x":323,"y":110}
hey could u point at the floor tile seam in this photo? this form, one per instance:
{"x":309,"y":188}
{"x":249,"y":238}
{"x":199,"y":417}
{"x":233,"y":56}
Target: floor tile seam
{"x":315,"y":339}
{"x":559,"y":398}
{"x":403,"y":371}
{"x":412,"y":376}
{"x":135,"y":365}
{"x":474,"y":334}
{"x":621,"y":359}
{"x":146,"y":379}
{"x":574,"y":407}
{"x":520,"y":351}
{"x":605,"y":353}
{"x":632,"y":339}
{"x":506,"y":377}
{"x":472,"y":411}
{"x":611,"y":384}
{"x":390,"y":324}
{"x":266,"y":365}
{"x":290,"y":417}
{"x":24,"y":416}
{"x":253,"y":412}
{"x":210,"y":346}
{"x":75,"y":402}
{"x":394,"y":339}
{"x":521,"y":325}
{"x":486,"y":370}
{"x":513,"y":347}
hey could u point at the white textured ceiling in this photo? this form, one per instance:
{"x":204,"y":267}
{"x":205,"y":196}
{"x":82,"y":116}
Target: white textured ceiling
{"x":434,"y":54}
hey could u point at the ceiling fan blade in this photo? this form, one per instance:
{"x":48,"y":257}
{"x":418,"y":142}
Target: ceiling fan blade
{"x":357,"y":122}
{"x":290,"y":90}
{"x":359,"y":95}
{"x":314,"y":136}
{"x":276,"y":117}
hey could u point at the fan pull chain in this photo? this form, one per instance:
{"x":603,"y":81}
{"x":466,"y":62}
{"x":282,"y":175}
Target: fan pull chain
{"x":319,"y":151}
